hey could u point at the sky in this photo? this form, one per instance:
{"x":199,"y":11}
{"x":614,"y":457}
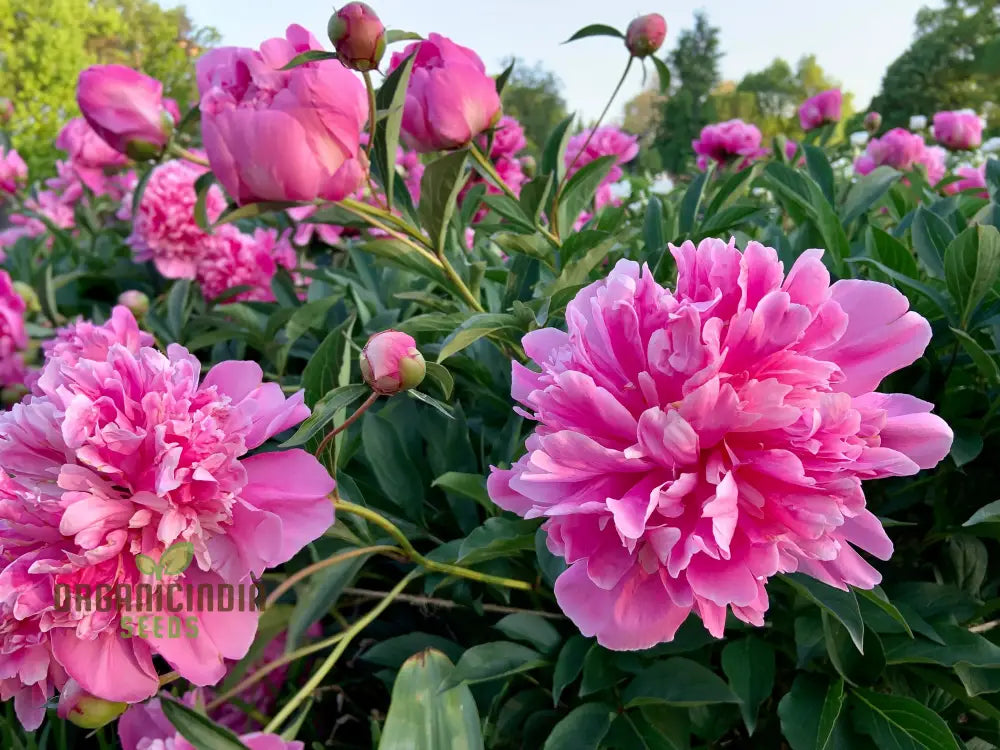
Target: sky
{"x":853,"y":40}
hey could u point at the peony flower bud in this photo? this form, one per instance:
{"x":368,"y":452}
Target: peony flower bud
{"x":645,"y":34}
{"x":390,"y":363}
{"x":86,"y":710}
{"x":126,"y":108}
{"x":873,"y":121}
{"x":358,"y":36}
{"x":135,"y":301}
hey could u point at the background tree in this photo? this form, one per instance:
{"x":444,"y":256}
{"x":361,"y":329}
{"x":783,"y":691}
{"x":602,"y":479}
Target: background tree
{"x":694,"y":65}
{"x":44,"y":45}
{"x":953,"y":63}
{"x":534,"y":96}
{"x":642,"y":118}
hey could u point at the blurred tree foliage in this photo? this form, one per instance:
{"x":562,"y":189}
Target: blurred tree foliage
{"x":953,"y":63}
{"x":45,"y":43}
{"x":533,"y":95}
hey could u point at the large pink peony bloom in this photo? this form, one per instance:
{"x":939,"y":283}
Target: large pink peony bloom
{"x":13,"y":171}
{"x":144,"y":727}
{"x":89,"y":155}
{"x":730,"y":141}
{"x":820,"y":109}
{"x":961,"y":129}
{"x":274,"y":135}
{"x":903,"y":150}
{"x":13,"y":338}
{"x":164,"y":230}
{"x":692,"y":444}
{"x":85,"y":340}
{"x":126,"y":454}
{"x":972,"y":178}
{"x":450,"y":100}
{"x":607,"y":141}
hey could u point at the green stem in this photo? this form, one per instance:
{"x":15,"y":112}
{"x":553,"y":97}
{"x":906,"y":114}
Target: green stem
{"x":317,"y":678}
{"x":372,"y":112}
{"x":183,"y":153}
{"x":347,"y":422}
{"x":416,"y":557}
{"x":386,"y":216}
{"x":307,"y":571}
{"x":562,"y":182}
{"x":348,"y":204}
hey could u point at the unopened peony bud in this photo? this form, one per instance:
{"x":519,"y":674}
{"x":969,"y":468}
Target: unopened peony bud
{"x":390,"y":363}
{"x":358,"y":36}
{"x":86,"y":710}
{"x":529,"y":166}
{"x":135,"y":301}
{"x":30,"y":297}
{"x":873,"y":121}
{"x":645,"y":34}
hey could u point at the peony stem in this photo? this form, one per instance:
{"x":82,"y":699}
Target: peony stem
{"x":307,"y":571}
{"x":354,"y":208}
{"x":372,"y":114}
{"x":345,"y":639}
{"x":453,"y":570}
{"x":562,"y":182}
{"x":427,"y":601}
{"x":347,"y":422}
{"x":183,"y":153}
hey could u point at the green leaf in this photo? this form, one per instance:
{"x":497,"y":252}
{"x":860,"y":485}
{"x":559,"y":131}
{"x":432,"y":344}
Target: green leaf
{"x":969,"y":560}
{"x":472,"y":486}
{"x":324,"y":411}
{"x":554,"y":152}
{"x":662,"y":72}
{"x":253,"y":210}
{"x":392,"y":652}
{"x":390,"y":98}
{"x":441,"y":377}
{"x":509,"y":209}
{"x":492,"y":661}
{"x":396,"y":474}
{"x":939,"y":300}
{"x":749,"y":667}
{"x":313,"y":55}
{"x":855,"y":666}
{"x":960,"y":645}
{"x":899,"y":722}
{"x":599,"y":671}
{"x":989,"y":513}
{"x":891,"y":252}
{"x":820,"y":170}
{"x":473,"y":329}
{"x":329,"y":367}
{"x":972,"y":267}
{"x":531,"y":629}
{"x":176,"y":558}
{"x":595,"y":29}
{"x":534,"y":195}
{"x":320,"y":596}
{"x":809,"y":712}
{"x":404,"y":256}
{"x":931,"y":236}
{"x":569,"y":664}
{"x":497,"y":537}
{"x":679,"y":682}
{"x":582,"y":729}
{"x":692,"y":200}
{"x":577,"y":271}
{"x":867,"y":191}
{"x":201,"y":188}
{"x":397,"y":35}
{"x":198,"y":729}
{"x":177,"y":302}
{"x":579,"y":191}
{"x":422,"y":718}
{"x":841,"y":604}
{"x":877,"y":597}
{"x":983,"y":360}
{"x":734,"y":188}
{"x":652,"y":227}
{"x":833,"y":704}
{"x":439,"y":187}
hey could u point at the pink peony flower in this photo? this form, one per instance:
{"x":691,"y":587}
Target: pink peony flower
{"x":450,"y":99}
{"x":358,"y":36}
{"x":730,"y":141}
{"x":972,"y":179}
{"x":126,"y":455}
{"x":126,"y":109}
{"x":85,"y":340}
{"x":902,"y":150}
{"x":391,"y":362}
{"x":90,"y":156}
{"x":274,"y":135}
{"x":645,"y":34}
{"x":328,"y":234}
{"x":508,"y":138}
{"x":958,"y":130}
{"x":607,"y":141}
{"x":246,"y":260}
{"x":692,"y":444}
{"x":13,"y":171}
{"x":820,"y":109}
{"x":144,"y":727}
{"x":13,"y":338}
{"x":164,"y":230}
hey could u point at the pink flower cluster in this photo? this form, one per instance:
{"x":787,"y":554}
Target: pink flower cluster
{"x":820,"y":109}
{"x":958,"y":130}
{"x":693,"y":443}
{"x":902,"y":150}
{"x":606,"y":141}
{"x":731,"y":141}
{"x":13,"y":338}
{"x":13,"y":171}
{"x":120,"y":451}
{"x":164,"y":231}
{"x":508,"y":140}
{"x":972,"y":178}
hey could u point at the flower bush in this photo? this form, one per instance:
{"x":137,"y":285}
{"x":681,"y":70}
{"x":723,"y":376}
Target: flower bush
{"x":333,"y":417}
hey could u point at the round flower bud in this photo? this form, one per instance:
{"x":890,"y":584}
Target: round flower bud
{"x":390,"y":363}
{"x":29,"y":295}
{"x":135,"y":301}
{"x":358,"y":36}
{"x":645,"y":34}
{"x":85,"y":710}
{"x":873,"y":121}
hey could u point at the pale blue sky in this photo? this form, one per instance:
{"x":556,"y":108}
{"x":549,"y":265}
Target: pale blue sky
{"x":854,"y":40}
